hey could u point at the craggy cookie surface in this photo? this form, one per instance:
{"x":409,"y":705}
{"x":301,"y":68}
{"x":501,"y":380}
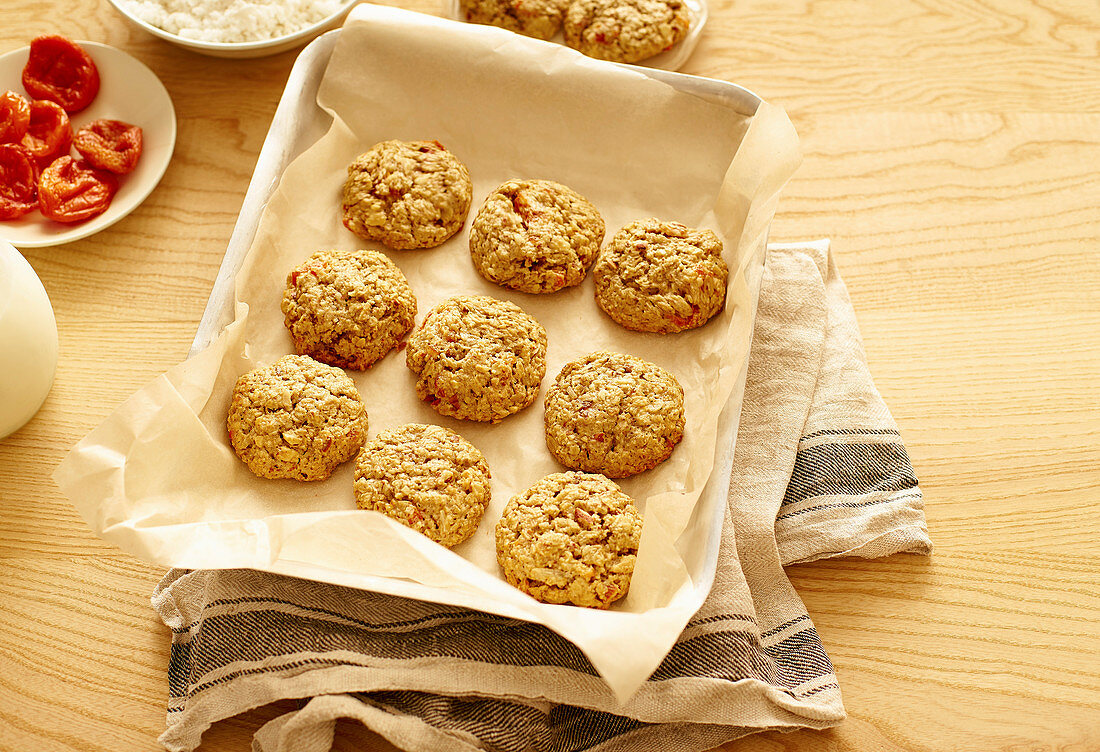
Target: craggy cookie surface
{"x":426,"y":477}
{"x":570,"y":538}
{"x":625,"y":31}
{"x":347,"y":308}
{"x":296,"y":418}
{"x":655,"y":276}
{"x":406,"y":194}
{"x":613,"y":414}
{"x":535,"y":236}
{"x":477,"y":358}
{"x":535,"y":18}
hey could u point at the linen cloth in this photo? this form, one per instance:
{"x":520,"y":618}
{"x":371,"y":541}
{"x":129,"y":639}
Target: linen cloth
{"x":819,"y":470}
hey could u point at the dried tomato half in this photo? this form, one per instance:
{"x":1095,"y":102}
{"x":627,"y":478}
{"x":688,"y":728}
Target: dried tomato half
{"x":18,"y":182}
{"x":49,"y":133}
{"x":58,"y":69}
{"x":15,"y":116}
{"x":71,"y":190}
{"x":109,"y":145}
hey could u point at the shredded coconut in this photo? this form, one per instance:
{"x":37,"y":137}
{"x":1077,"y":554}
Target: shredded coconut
{"x":232,"y":20}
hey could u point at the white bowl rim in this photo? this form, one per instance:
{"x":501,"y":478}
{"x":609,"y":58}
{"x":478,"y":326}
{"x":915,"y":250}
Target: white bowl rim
{"x":200,"y":44}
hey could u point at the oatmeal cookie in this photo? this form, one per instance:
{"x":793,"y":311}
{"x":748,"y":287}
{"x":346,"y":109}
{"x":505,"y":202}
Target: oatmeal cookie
{"x":625,"y":31}
{"x":296,"y":418}
{"x":613,"y":414}
{"x":535,"y":18}
{"x":426,"y":477}
{"x":661,"y":277}
{"x":477,"y":358}
{"x":570,"y":538}
{"x":535,"y":236}
{"x":406,"y":194}
{"x":347,"y":308}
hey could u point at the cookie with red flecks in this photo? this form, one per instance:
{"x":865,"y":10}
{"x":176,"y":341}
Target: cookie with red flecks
{"x":426,"y":477}
{"x":571,"y":538}
{"x":296,"y":418}
{"x":534,"y":18}
{"x":406,"y":194}
{"x":663,"y":277}
{"x":477,"y":358}
{"x":535,"y":236}
{"x":347,"y":308}
{"x":614,"y":414}
{"x":625,"y":31}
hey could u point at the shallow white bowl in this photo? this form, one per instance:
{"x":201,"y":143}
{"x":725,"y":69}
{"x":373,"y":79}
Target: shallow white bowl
{"x":242,"y":49}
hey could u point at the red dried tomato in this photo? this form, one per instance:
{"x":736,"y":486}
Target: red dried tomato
{"x":18,"y":182}
{"x":71,"y":190}
{"x":49,"y":134}
{"x":58,"y":69}
{"x":109,"y":145}
{"x":15,"y":116}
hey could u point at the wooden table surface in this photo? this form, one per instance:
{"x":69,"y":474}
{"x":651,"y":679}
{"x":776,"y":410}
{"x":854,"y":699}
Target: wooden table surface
{"x":951,"y":152}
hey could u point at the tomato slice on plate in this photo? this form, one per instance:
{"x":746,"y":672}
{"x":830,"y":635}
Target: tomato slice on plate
{"x":49,"y":134}
{"x":15,"y":116}
{"x":58,"y":69}
{"x":18,"y":182}
{"x":109,"y":145}
{"x":71,"y":190}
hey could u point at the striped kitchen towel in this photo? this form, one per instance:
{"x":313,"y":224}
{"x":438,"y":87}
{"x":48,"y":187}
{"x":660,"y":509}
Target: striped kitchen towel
{"x":819,"y":471}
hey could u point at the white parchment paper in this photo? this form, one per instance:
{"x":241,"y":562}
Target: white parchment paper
{"x":159,"y":479}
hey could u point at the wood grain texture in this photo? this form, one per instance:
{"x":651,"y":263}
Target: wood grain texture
{"x":951,"y":153}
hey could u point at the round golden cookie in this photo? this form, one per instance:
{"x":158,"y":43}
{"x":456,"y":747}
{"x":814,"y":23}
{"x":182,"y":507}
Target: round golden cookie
{"x":427,"y":478}
{"x":535,"y":236}
{"x":296,"y":418}
{"x":406,"y":194}
{"x":570,"y":538}
{"x":347,"y":308}
{"x":625,"y":31}
{"x":663,"y":277}
{"x":535,"y":18}
{"x":613,"y":414}
{"x":477,"y":358}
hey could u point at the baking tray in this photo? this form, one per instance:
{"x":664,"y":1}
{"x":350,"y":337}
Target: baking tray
{"x":155,"y":476}
{"x":291,"y":133}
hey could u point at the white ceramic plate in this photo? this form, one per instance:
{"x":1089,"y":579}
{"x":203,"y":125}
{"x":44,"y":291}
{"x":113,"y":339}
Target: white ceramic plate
{"x":128,"y":91}
{"x":672,"y":60}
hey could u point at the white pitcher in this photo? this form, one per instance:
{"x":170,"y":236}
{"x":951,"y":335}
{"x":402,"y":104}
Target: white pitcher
{"x":28,"y":341}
